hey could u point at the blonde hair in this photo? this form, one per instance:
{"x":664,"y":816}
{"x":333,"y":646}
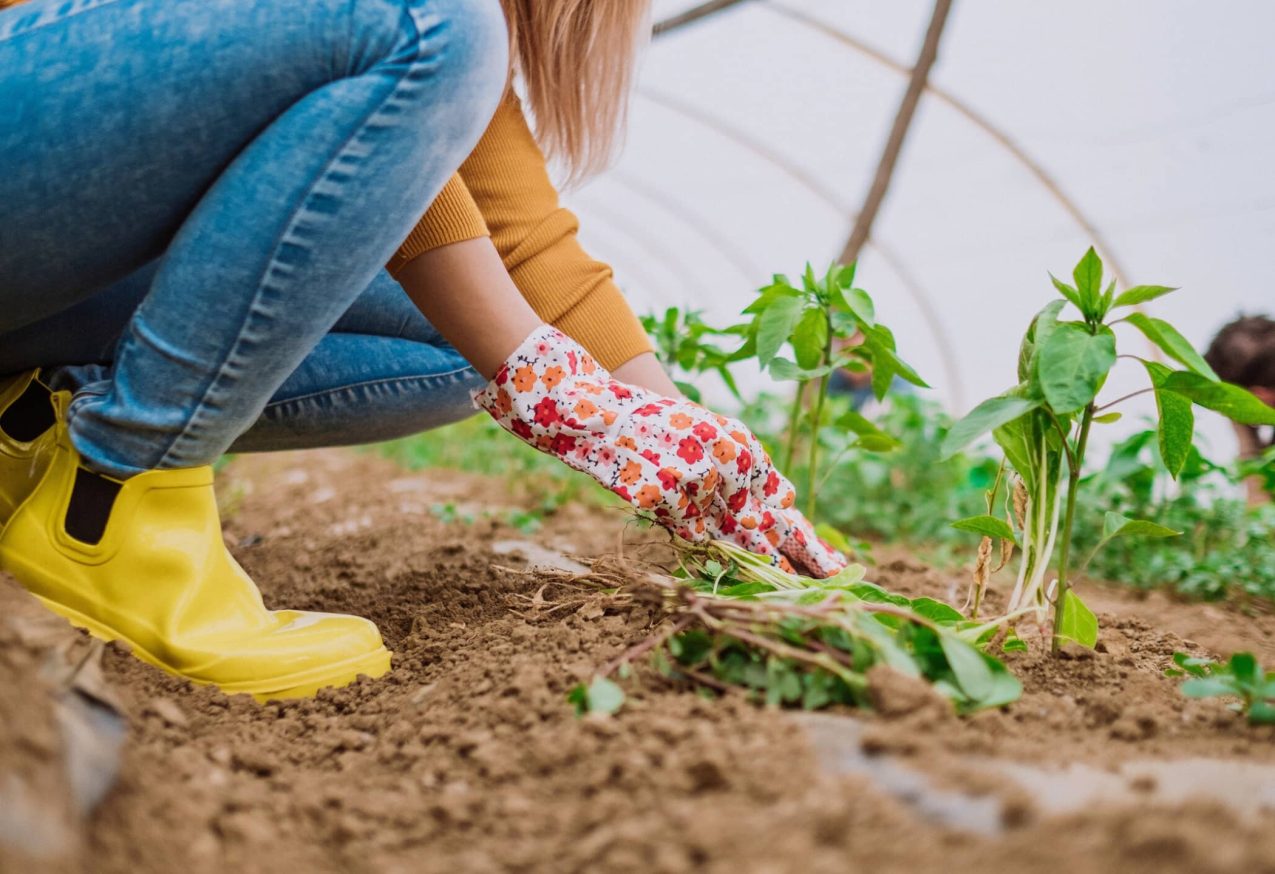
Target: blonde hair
{"x":576,"y":59}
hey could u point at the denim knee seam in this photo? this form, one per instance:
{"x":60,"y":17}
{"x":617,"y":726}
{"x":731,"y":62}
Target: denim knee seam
{"x":429,"y":379}
{"x":172,"y":455}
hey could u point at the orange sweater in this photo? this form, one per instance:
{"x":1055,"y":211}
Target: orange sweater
{"x":503,"y":190}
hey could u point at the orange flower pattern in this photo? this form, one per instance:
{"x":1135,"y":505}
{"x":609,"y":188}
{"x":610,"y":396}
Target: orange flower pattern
{"x":699,"y":474}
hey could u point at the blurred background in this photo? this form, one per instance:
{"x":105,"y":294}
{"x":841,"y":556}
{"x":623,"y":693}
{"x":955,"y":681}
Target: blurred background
{"x":756,"y":130}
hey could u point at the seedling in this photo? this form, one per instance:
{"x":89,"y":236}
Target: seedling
{"x":828,"y":324}
{"x":682,"y":344}
{"x":1241,"y":677}
{"x":1043,"y":424}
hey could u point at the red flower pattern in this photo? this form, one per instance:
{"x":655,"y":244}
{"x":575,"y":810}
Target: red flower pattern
{"x":699,"y":474}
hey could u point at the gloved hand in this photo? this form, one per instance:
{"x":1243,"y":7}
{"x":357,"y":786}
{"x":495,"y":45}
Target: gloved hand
{"x":699,"y":474}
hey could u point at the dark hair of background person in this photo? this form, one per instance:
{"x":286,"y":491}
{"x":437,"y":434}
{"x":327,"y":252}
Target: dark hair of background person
{"x":1243,"y":352}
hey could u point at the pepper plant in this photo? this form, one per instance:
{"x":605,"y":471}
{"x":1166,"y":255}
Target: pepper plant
{"x":829,"y":324}
{"x":683,"y":344}
{"x":1043,"y":425}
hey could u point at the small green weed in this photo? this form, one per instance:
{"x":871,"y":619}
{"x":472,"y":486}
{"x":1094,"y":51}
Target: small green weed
{"x":1241,"y":677}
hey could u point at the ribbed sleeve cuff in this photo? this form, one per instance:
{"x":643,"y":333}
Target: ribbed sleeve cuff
{"x":603,"y":323}
{"x":452,"y":218}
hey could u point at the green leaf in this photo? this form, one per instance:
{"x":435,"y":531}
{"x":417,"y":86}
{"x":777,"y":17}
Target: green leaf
{"x":1141,"y":294}
{"x":1104,"y":305}
{"x":1006,"y":688}
{"x":1243,"y":666}
{"x":691,"y":647}
{"x":1172,"y":343}
{"x":745,"y":590}
{"x":968,"y":666}
{"x":689,"y":390}
{"x":936,"y":611}
{"x":783,"y":369}
{"x":1261,"y":713}
{"x":808,"y":280}
{"x":845,"y":276}
{"x":1088,"y":276}
{"x":1067,"y":291}
{"x":835,"y":537}
{"x":988,"y":526}
{"x":778,"y":288}
{"x":604,"y":696}
{"x":782,"y":682}
{"x":1041,"y":324}
{"x":1193,"y":665}
{"x":810,"y":337}
{"x":1116,"y":525}
{"x":1077,"y":624}
{"x":991,"y":413}
{"x":1013,"y":643}
{"x":861,"y":305}
{"x":1208,"y":687}
{"x":775,"y":326}
{"x":1074,"y":364}
{"x":1176,"y":424}
{"x":1107,"y":418}
{"x":879,"y":341}
{"x":1231,"y":401}
{"x":1020,"y":441}
{"x":871,"y":437}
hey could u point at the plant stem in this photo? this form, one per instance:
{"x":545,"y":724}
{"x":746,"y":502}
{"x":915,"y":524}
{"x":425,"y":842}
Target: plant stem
{"x":1132,"y":394}
{"x":1062,"y":432}
{"x":794,"y":417}
{"x":1073,"y":482}
{"x":816,"y":423}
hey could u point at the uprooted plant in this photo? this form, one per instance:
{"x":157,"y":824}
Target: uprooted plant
{"x":732,"y":621}
{"x":1043,"y":425}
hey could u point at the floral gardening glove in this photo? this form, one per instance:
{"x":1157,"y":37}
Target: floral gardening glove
{"x":700,"y":474}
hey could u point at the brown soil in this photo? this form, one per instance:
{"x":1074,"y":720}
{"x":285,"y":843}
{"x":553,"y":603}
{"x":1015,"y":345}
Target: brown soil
{"x":467,"y":758}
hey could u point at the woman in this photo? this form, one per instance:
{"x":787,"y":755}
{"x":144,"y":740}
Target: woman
{"x":200,"y":198}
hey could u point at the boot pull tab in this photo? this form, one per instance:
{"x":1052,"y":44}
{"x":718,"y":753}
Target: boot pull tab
{"x":88,"y":511}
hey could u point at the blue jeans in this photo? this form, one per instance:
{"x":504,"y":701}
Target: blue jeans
{"x":218,"y":183}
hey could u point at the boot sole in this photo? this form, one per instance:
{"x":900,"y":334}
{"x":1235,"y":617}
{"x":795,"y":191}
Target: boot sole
{"x":301,"y":685}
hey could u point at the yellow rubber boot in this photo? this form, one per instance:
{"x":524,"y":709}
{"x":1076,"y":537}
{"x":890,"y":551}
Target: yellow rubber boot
{"x":26,"y":410}
{"x":158,"y":577}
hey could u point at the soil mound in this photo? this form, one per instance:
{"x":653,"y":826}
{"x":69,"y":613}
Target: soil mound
{"x":468,"y":758}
